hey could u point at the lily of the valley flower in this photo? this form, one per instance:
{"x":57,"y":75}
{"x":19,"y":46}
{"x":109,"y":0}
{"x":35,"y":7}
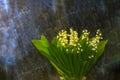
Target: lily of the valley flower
{"x":72,"y":39}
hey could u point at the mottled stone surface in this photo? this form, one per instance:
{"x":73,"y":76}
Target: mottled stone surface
{"x":31,"y":18}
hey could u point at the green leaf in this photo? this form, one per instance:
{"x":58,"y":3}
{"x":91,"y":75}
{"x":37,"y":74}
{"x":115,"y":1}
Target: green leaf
{"x":54,"y":41}
{"x":42,"y":45}
{"x":101,"y":47}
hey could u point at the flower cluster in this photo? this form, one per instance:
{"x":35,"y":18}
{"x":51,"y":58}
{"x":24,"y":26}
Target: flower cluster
{"x":68,"y":39}
{"x":72,"y":39}
{"x":62,"y":36}
{"x":95,"y":40}
{"x":85,"y":34}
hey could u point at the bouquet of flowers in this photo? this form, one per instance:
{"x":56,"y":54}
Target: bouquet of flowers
{"x":72,"y":55}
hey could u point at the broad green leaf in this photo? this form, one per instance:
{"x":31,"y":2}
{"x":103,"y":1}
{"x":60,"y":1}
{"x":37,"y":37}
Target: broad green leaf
{"x":42,"y":45}
{"x":101,"y":47}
